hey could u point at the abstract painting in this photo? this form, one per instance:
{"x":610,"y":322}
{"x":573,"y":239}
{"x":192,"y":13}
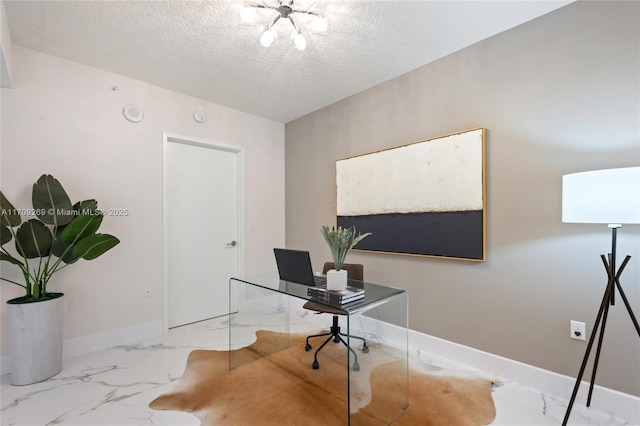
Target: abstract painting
{"x":426,"y":198}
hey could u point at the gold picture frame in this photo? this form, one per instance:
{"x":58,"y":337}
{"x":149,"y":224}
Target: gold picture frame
{"x":426,"y":198}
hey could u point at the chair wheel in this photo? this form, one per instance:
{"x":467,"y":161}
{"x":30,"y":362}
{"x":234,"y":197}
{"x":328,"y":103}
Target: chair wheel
{"x":356,"y":366}
{"x":365,"y":349}
{"x":315,"y":365}
{"x":307,"y":347}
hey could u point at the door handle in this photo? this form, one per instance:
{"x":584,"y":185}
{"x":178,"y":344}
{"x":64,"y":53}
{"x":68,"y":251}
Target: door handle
{"x":232,"y":244}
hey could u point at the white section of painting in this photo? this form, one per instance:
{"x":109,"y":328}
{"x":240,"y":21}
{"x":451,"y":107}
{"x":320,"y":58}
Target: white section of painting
{"x":439,"y":175}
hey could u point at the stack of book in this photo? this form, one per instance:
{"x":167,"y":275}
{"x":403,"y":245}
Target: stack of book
{"x":340,"y":297}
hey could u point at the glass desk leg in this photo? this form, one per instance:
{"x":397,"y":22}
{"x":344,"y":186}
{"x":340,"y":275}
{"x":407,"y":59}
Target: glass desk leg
{"x":253,"y":310}
{"x":378,"y":372}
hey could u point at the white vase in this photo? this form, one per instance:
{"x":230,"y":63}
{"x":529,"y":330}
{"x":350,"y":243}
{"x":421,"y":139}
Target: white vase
{"x":336,"y":280}
{"x":35,"y":340}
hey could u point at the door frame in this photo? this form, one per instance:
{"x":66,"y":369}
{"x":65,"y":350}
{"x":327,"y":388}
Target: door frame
{"x":240,"y":252}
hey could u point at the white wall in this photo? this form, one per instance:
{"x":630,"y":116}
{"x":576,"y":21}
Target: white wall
{"x":5,"y":49}
{"x":64,"y":118}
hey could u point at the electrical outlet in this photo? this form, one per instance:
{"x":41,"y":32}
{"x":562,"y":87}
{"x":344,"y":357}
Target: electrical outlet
{"x":147,"y":291}
{"x":578,"y":330}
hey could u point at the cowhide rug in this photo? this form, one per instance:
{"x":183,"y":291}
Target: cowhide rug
{"x":283,"y":389}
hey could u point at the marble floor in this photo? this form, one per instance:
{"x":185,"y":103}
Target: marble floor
{"x":114,"y":386}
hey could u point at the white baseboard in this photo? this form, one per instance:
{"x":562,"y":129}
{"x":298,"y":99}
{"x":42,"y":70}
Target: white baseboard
{"x":95,"y":342}
{"x":620,"y":404}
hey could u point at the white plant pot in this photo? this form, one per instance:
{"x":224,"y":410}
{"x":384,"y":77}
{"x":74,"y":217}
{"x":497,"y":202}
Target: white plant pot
{"x":35,"y":340}
{"x":336,"y":280}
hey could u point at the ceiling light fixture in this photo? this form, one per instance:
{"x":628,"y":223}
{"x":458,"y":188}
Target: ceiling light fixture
{"x":285,"y":9}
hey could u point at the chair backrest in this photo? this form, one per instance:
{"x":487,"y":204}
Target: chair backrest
{"x":355,"y":271}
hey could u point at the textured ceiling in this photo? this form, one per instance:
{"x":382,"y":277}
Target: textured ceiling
{"x":200,"y":47}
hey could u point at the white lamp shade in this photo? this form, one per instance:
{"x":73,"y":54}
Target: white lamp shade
{"x":602,"y":196}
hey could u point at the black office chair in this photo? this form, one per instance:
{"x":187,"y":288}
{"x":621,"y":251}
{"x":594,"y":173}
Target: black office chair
{"x":354,"y":272}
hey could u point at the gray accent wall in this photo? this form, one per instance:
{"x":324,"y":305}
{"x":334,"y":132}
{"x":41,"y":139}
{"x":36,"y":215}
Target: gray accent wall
{"x":557,"y":95}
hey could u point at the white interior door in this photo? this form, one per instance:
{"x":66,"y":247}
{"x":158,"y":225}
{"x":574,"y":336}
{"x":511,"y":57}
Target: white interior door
{"x":201,"y":205}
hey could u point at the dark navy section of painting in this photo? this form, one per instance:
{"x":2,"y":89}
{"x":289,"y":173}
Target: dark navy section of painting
{"x":447,"y":234}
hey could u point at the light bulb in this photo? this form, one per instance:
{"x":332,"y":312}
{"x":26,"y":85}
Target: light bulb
{"x":305,"y":4}
{"x":267,"y":37}
{"x":248,"y":15}
{"x":300,"y":41}
{"x":320,"y":24}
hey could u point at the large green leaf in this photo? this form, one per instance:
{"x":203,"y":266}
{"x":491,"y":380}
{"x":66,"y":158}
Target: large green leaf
{"x":86,"y":207}
{"x":81,"y":227}
{"x":95,"y":245}
{"x":61,"y":249}
{"x":51,"y":202}
{"x":10,"y":259}
{"x":9,"y":216}
{"x":33,"y":239}
{"x":5,"y":235}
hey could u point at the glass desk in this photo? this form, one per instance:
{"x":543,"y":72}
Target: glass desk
{"x":376,"y":391}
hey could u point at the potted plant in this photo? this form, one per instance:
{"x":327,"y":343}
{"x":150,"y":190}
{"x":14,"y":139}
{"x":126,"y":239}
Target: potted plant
{"x":340,"y":241}
{"x":60,"y":234}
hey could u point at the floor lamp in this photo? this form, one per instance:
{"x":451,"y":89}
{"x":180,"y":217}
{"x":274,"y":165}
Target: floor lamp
{"x":610,"y":197}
